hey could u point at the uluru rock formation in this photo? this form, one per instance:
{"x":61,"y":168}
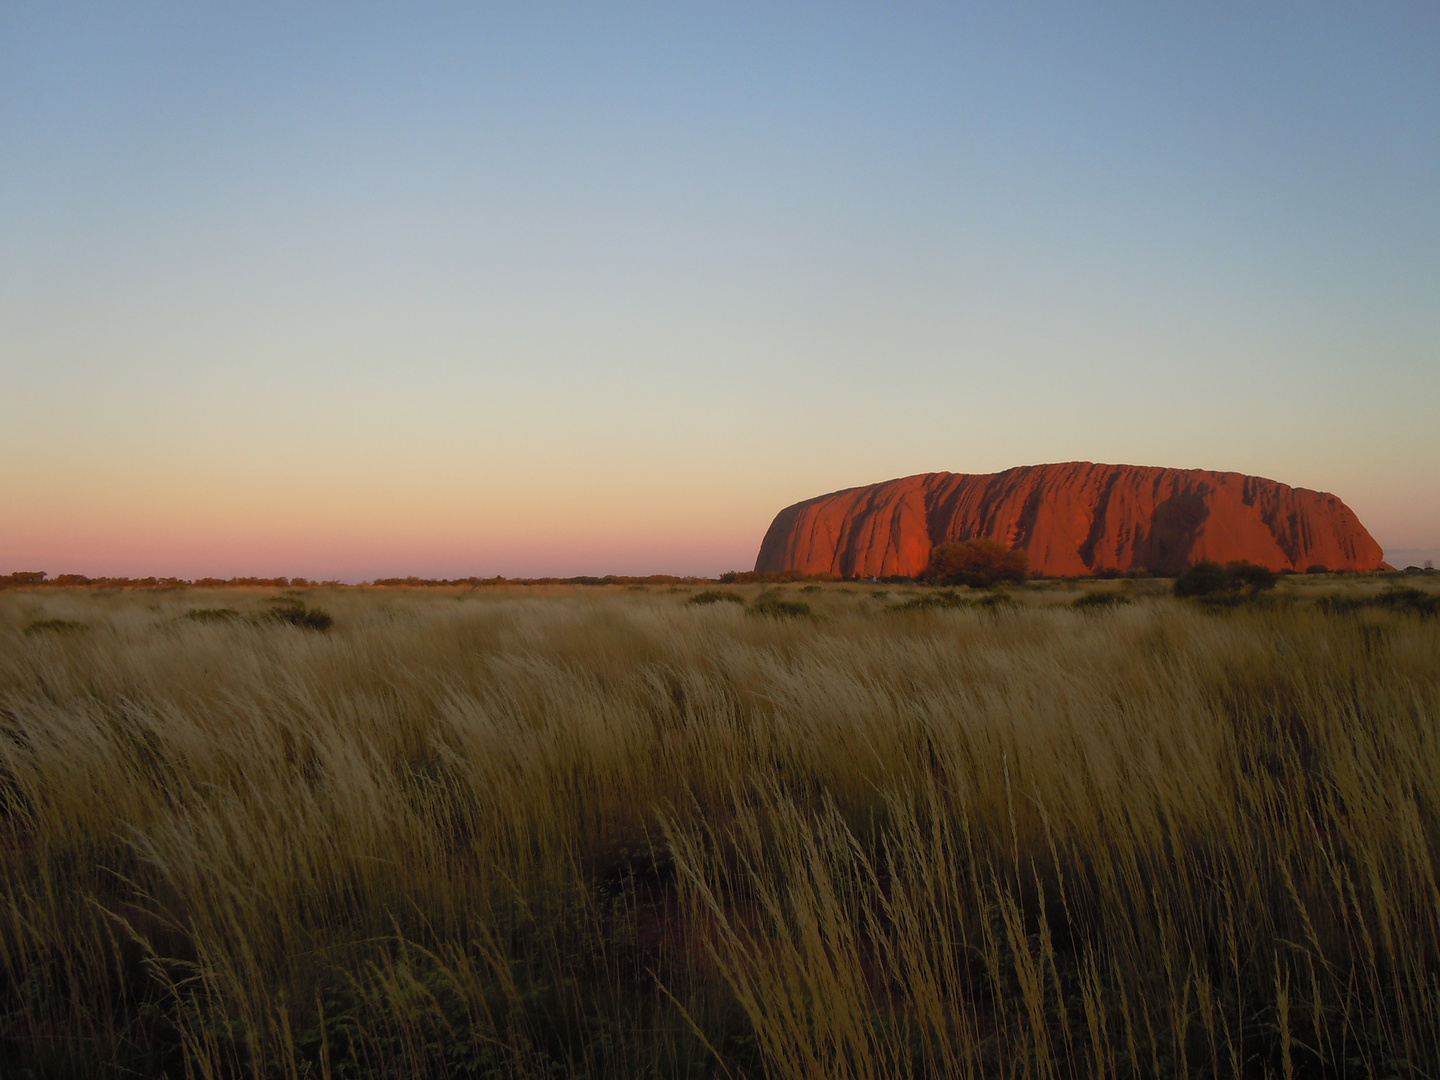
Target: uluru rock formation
{"x":1074,"y":518}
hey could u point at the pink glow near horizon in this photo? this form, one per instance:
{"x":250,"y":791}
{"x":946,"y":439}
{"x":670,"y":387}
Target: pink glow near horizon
{"x":126,"y":535}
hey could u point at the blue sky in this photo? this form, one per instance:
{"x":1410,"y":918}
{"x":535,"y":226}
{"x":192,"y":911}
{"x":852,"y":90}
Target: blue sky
{"x":525,"y":289}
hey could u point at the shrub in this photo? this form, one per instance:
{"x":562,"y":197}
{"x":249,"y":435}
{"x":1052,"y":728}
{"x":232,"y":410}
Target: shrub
{"x":1317,"y":568}
{"x":222,"y":614}
{"x":777,"y":608}
{"x":1398,"y":599}
{"x":715,"y":596}
{"x":1407,"y":601}
{"x":1252,"y":577}
{"x":944,"y":598}
{"x":1205,"y":578}
{"x":976,"y":562}
{"x":1234,"y":580}
{"x":995,"y":602}
{"x":293,"y":611}
{"x":1097,"y":601}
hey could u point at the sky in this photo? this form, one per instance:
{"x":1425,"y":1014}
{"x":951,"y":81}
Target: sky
{"x":348,"y":291}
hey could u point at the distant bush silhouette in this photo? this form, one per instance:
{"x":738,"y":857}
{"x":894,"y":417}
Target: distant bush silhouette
{"x":716,"y":596}
{"x":1317,"y":568}
{"x":976,"y":563}
{"x":1233,"y":581}
{"x":768,"y":577}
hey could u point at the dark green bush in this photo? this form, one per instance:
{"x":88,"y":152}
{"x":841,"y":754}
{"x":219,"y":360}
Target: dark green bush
{"x":716,"y":596}
{"x":1203,"y":579}
{"x":944,"y":598}
{"x":1234,"y":580}
{"x":997,"y":601}
{"x":976,"y":563}
{"x":219,"y":614}
{"x":293,"y":611}
{"x":1099,"y":601}
{"x":776,"y":607}
{"x":1252,"y":577}
{"x":1397,"y":598}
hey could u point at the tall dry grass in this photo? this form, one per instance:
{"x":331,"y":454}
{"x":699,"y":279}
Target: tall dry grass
{"x":605,"y":833}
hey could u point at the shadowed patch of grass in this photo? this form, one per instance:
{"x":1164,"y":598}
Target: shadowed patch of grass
{"x":943,"y":599}
{"x":293,"y":611}
{"x":1101,"y":601}
{"x":775,"y":607}
{"x":715,"y":596}
{"x":1399,"y":599}
{"x":212,"y":615}
{"x":54,"y":626}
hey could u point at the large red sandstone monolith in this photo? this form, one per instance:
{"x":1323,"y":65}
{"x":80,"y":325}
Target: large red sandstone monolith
{"x":1074,"y":518}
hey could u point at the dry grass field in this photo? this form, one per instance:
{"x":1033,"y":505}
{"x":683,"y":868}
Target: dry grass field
{"x":606,"y":832}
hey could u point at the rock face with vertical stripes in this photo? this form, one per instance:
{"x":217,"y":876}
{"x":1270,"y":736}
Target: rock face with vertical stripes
{"x":1071,"y":519}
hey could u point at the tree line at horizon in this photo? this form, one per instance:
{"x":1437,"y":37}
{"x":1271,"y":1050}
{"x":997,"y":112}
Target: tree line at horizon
{"x":979,"y":562}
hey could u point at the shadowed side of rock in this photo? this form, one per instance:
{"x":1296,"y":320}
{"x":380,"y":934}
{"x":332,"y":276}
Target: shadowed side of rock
{"x":1071,"y":519}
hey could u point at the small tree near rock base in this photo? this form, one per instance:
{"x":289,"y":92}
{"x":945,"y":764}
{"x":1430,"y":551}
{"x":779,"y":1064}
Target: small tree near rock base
{"x":976,"y":563}
{"x":1234,"y":579}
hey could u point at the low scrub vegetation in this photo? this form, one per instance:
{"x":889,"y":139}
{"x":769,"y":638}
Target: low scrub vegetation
{"x":292,"y":610}
{"x":54,"y":626}
{"x":1396,"y":598}
{"x":1233,"y":581}
{"x":715,"y":596}
{"x":1100,"y":601}
{"x":770,"y":605}
{"x":561,"y":832}
{"x":210,"y":615}
{"x":975,"y":563}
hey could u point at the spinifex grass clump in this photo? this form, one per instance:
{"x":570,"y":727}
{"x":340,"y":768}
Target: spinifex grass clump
{"x":54,"y":626}
{"x":561,"y":833}
{"x":777,"y":607}
{"x":292,"y":610}
{"x":716,"y":596}
{"x":1396,"y":598}
{"x":212,"y":615}
{"x":932,"y":601}
{"x":1100,"y":601}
